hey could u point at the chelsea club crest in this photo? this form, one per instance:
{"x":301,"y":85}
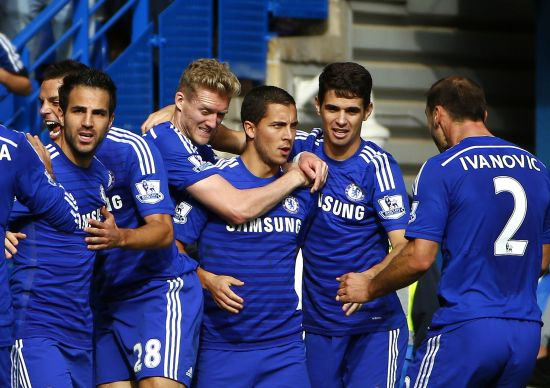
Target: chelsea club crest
{"x":102,"y":194}
{"x":354,"y":192}
{"x":291,"y":205}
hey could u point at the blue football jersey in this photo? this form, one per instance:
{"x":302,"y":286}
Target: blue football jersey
{"x":52,"y":273}
{"x":23,"y":175}
{"x":186,"y":164}
{"x":139,"y":189}
{"x":9,"y":58}
{"x":487,"y":202}
{"x":261,"y":253}
{"x":363,"y":199}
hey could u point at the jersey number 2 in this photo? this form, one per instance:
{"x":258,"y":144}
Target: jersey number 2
{"x":504,"y":245}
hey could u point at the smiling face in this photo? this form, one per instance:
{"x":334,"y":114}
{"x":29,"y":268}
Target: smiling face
{"x":86,"y":121}
{"x":199,"y":114}
{"x":342,"y":119}
{"x":49,"y":106}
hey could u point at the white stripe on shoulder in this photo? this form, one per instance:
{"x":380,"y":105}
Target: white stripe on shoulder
{"x":386,"y":172}
{"x":136,"y":150}
{"x":142,"y":146}
{"x":183,"y":140}
{"x":379,"y":169}
{"x":317,"y":132}
{"x":10,"y":142}
{"x":153,"y":133}
{"x":481,"y":146}
{"x":301,"y":134}
{"x":417,"y":180}
{"x":223,"y":163}
{"x":12,"y":54}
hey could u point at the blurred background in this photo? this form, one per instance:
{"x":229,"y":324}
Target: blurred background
{"x":406,"y":45}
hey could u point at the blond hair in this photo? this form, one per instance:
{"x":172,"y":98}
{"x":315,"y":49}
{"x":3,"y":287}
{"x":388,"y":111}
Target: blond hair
{"x":210,"y":74}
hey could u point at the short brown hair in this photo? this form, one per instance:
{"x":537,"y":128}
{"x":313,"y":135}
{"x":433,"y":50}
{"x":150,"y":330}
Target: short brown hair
{"x":460,"y":96}
{"x":210,"y":74}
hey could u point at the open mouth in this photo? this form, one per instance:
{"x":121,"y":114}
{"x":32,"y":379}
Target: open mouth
{"x":285,"y":150}
{"x":54,"y":128}
{"x":86,"y":137}
{"x":205,"y":131}
{"x":340,"y":133}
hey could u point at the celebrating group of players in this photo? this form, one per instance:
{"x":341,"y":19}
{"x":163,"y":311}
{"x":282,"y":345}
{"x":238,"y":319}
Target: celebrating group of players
{"x":104,"y":292}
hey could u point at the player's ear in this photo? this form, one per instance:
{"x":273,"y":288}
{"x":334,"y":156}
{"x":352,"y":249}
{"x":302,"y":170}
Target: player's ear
{"x":368,"y":111}
{"x":249,"y":129}
{"x":317,"y":105}
{"x":179,"y":100}
{"x":111,"y":120}
{"x":61,"y":118}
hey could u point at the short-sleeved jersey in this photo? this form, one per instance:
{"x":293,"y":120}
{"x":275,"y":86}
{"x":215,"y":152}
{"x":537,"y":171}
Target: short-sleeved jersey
{"x":186,"y":164}
{"x":52,"y":273}
{"x":487,"y":202}
{"x":9,"y":58}
{"x":23,"y":175}
{"x":261,"y":253}
{"x":139,"y":189}
{"x":363,"y":199}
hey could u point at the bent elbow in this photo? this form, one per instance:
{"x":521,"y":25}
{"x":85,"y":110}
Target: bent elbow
{"x":237,"y":218}
{"x":420,"y":265}
{"x":169,"y":237}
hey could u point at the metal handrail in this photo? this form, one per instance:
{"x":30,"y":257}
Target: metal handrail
{"x":79,"y":32}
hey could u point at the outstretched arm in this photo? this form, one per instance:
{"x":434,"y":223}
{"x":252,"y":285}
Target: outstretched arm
{"x":238,"y":206}
{"x":398,"y":242}
{"x":18,"y":84}
{"x":407,"y":267}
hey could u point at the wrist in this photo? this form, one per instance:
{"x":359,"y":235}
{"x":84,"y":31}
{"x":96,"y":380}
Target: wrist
{"x":122,"y":241}
{"x":296,"y":159}
{"x":296,"y":178}
{"x":205,"y":278}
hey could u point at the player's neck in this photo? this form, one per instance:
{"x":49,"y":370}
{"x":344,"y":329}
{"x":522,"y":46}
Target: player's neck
{"x":340,"y":153}
{"x":256,"y":164}
{"x":462,"y":130}
{"x":78,"y":160}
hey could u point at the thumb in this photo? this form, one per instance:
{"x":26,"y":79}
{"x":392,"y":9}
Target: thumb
{"x":105,"y":213}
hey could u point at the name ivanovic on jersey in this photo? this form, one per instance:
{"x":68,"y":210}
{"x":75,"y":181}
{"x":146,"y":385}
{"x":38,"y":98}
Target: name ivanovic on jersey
{"x":478,"y":161}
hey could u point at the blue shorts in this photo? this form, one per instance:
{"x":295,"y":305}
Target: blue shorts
{"x":360,"y":360}
{"x":280,"y":366}
{"x":155,"y":333}
{"x":488,"y":352}
{"x":43,"y":362}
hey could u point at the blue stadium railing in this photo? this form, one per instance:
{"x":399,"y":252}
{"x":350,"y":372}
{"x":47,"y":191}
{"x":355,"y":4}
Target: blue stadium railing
{"x":186,"y":31}
{"x":83,"y":42}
